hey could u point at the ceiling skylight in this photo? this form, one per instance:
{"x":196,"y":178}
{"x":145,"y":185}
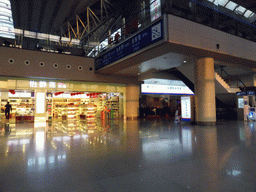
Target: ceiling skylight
{"x":238,"y":9}
{"x":6,"y":21}
{"x":222,"y":2}
{"x":231,"y":5}
{"x":248,"y":13}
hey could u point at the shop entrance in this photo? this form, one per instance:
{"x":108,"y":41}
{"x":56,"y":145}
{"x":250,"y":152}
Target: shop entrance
{"x":159,"y":105}
{"x":23,"y":105}
{"x":64,"y":106}
{"x":162,"y":98}
{"x":84,"y":106}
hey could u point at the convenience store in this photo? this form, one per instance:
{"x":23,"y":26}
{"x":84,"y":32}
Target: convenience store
{"x":37,"y":99}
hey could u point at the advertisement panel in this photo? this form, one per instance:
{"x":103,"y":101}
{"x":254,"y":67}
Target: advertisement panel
{"x":155,"y":9}
{"x":185,"y":108}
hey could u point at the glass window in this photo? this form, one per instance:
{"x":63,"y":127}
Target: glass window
{"x":4,"y":11}
{"x":75,"y":41}
{"x":54,"y":38}
{"x":18,"y":31}
{"x":42,"y":36}
{"x":4,"y":17}
{"x":248,"y":13}
{"x":240,"y":9}
{"x":6,"y":22}
{"x":252,"y":15}
{"x":5,"y":1}
{"x":231,"y":5}
{"x":6,"y":5}
{"x":222,"y":2}
{"x":29,"y":34}
{"x":215,"y":2}
{"x":65,"y":39}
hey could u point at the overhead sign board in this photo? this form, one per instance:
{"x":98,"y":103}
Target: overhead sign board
{"x":250,"y":92}
{"x":165,"y":89}
{"x":241,"y":93}
{"x":141,"y":40}
{"x":245,"y":93}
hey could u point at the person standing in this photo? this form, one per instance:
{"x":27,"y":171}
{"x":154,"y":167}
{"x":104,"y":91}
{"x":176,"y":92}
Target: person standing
{"x":8,"y":108}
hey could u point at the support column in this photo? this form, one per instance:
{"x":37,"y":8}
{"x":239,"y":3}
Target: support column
{"x":205,"y":91}
{"x":40,"y":105}
{"x":132,"y":101}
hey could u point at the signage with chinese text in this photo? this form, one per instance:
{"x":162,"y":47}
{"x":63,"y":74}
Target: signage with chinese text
{"x":165,"y":89}
{"x":146,"y":37}
{"x":240,"y":93}
{"x":44,"y":84}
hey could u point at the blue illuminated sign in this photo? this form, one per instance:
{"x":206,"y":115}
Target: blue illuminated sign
{"x":141,"y":40}
{"x":240,"y":93}
{"x":250,"y":92}
{"x":245,"y":93}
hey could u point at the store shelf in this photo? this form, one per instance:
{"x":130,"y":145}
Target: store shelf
{"x":20,"y":107}
{"x":113,"y":104}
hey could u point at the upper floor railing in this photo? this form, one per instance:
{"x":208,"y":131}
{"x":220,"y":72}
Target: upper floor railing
{"x":205,"y":12}
{"x":218,"y":14}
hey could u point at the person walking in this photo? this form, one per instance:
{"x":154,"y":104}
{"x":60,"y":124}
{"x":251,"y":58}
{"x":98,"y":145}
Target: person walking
{"x":8,"y":108}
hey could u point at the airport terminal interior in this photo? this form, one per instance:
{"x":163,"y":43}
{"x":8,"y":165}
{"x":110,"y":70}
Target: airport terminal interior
{"x":140,"y":95}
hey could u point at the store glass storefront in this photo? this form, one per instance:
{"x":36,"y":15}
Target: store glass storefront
{"x":62,"y":100}
{"x":163,"y":97}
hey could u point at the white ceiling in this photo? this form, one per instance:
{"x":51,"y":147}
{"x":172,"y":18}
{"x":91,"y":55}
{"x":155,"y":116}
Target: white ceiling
{"x":166,"y":61}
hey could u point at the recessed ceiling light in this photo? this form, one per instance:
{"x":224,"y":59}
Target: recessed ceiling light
{"x":184,"y":61}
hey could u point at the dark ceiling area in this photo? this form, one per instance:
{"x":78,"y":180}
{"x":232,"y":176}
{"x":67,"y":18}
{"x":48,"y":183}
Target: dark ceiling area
{"x":52,"y":16}
{"x":249,"y":4}
{"x":48,"y":16}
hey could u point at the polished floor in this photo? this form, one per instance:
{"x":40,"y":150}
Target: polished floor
{"x":145,"y":155}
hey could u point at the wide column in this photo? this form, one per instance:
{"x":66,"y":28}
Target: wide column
{"x":132,"y":101}
{"x":205,"y":91}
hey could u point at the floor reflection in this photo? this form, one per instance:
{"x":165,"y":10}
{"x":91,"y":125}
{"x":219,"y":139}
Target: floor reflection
{"x":189,"y":152}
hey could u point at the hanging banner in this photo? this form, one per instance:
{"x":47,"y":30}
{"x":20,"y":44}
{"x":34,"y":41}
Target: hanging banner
{"x":155,"y":9}
{"x":186,"y":108}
